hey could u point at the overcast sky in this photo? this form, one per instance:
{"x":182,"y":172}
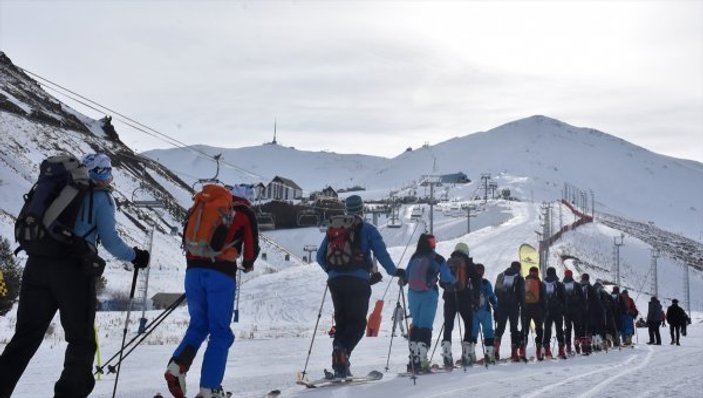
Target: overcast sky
{"x":372,"y":77}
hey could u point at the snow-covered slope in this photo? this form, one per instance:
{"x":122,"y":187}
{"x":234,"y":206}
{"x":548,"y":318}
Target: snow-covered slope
{"x":534,"y":157}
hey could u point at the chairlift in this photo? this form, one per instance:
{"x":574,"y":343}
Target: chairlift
{"x":308,"y":218}
{"x":214,"y":179}
{"x":265,"y":221}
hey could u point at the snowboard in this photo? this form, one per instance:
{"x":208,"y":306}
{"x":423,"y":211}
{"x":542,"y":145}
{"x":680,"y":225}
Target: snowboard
{"x":373,"y":375}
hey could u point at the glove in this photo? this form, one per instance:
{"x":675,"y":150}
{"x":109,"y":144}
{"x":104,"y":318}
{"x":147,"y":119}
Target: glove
{"x":400,"y":273}
{"x":141,"y":258}
{"x":248,"y":265}
{"x":375,"y":278}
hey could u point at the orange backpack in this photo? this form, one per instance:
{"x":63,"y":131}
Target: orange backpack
{"x":457,"y":265}
{"x":532,"y":287}
{"x":208,"y":223}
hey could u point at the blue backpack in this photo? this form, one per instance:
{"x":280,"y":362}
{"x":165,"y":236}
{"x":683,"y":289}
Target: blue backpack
{"x":422,"y":273}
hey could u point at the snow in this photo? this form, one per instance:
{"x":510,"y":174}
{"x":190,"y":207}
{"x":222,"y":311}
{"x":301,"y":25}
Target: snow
{"x":280,"y":300}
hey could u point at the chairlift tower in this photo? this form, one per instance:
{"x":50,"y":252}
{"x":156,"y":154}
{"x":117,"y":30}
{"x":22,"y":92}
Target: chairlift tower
{"x":432,"y":180}
{"x":485,"y":177}
{"x":655,"y":285}
{"x":545,"y":235}
{"x":617,"y":256}
{"x":143,"y":284}
{"x":686,"y":289}
{"x":310,"y":249}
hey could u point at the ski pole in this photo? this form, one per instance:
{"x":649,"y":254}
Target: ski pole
{"x":400,"y":261}
{"x":319,"y":314}
{"x":407,"y":327}
{"x":483,"y":346}
{"x":395,"y":322}
{"x":441,"y":330}
{"x":126,"y":325}
{"x":235,"y":318}
{"x":148,"y":329}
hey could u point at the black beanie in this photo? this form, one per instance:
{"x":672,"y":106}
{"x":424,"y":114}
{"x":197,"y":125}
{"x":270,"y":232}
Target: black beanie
{"x":551,"y":271}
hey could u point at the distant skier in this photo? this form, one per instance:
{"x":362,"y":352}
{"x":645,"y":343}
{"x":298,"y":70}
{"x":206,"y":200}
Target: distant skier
{"x":574,"y":309}
{"x":462,"y":300}
{"x":616,"y":318}
{"x":423,"y":270}
{"x":510,"y":291}
{"x":593,"y":316}
{"x":555,"y":298}
{"x":533,"y":312}
{"x":603,"y":333}
{"x":61,"y":277}
{"x":628,"y":317}
{"x":654,"y":321}
{"x":345,"y":255}
{"x":677,"y":319}
{"x":482,"y":319}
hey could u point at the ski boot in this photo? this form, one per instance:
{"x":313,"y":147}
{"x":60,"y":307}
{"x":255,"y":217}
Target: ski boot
{"x":522,"y":352}
{"x":577,"y":345}
{"x":496,"y":346}
{"x":490,"y":354}
{"x":568,"y":349}
{"x":562,"y":354}
{"x":468,"y":353}
{"x":340,"y":363}
{"x":538,"y":353}
{"x":212,"y":393}
{"x":422,"y":353}
{"x":586,"y":348}
{"x":175,"y":376}
{"x":548,"y":352}
{"x":514,"y":355}
{"x":447,"y":359}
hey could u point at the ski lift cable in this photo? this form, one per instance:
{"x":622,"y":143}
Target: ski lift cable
{"x":131,"y":123}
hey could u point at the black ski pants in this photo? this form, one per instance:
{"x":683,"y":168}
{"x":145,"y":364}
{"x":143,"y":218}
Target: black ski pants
{"x":350,"y":296}
{"x":502,"y":315}
{"x":654,"y":336}
{"x":48,"y":285}
{"x":532,"y":313}
{"x":453,"y":302}
{"x":675,"y":331}
{"x":553,"y":318}
{"x":573,"y":320}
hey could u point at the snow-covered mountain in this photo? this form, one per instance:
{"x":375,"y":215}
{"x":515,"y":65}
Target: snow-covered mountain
{"x":280,"y":301}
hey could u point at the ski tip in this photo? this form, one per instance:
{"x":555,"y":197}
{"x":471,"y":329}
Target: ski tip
{"x":273,"y":393}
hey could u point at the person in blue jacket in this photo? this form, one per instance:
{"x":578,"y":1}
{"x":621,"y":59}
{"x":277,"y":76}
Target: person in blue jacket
{"x":482,"y":319}
{"x":345,"y":255}
{"x":422,"y":272}
{"x":66,"y":283}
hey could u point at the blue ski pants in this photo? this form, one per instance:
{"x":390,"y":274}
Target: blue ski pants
{"x":210,"y":296}
{"x":482,"y":319}
{"x":423,"y":307}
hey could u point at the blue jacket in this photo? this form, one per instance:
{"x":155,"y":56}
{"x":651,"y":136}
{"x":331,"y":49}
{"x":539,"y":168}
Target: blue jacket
{"x":371,"y":241}
{"x":102,"y":224}
{"x":487,"y":293}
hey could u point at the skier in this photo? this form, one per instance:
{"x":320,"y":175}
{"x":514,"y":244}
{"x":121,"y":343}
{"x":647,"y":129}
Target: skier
{"x":65,"y":281}
{"x":398,"y":320}
{"x":628,"y":317}
{"x":533,"y":311}
{"x":574,"y":308}
{"x":654,"y":321}
{"x":422,"y":272}
{"x":677,"y":319}
{"x":618,"y":309}
{"x":604,"y":335}
{"x":210,"y":285}
{"x":555,"y":297}
{"x":482,"y":319}
{"x":349,"y":281}
{"x":510,"y":291}
{"x":593,"y":315}
{"x":463,"y":300}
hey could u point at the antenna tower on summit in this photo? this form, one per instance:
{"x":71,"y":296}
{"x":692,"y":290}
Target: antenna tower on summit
{"x":274,"y":132}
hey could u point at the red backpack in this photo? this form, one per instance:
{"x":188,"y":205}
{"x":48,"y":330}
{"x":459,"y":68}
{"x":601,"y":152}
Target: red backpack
{"x":343,"y":244}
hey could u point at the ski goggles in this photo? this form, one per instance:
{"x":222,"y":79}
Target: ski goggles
{"x":101,"y":173}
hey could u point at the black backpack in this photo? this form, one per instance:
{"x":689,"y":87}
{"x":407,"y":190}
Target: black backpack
{"x":44,"y":226}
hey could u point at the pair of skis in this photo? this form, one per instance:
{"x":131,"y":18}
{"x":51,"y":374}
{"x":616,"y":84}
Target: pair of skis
{"x":329,"y":380}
